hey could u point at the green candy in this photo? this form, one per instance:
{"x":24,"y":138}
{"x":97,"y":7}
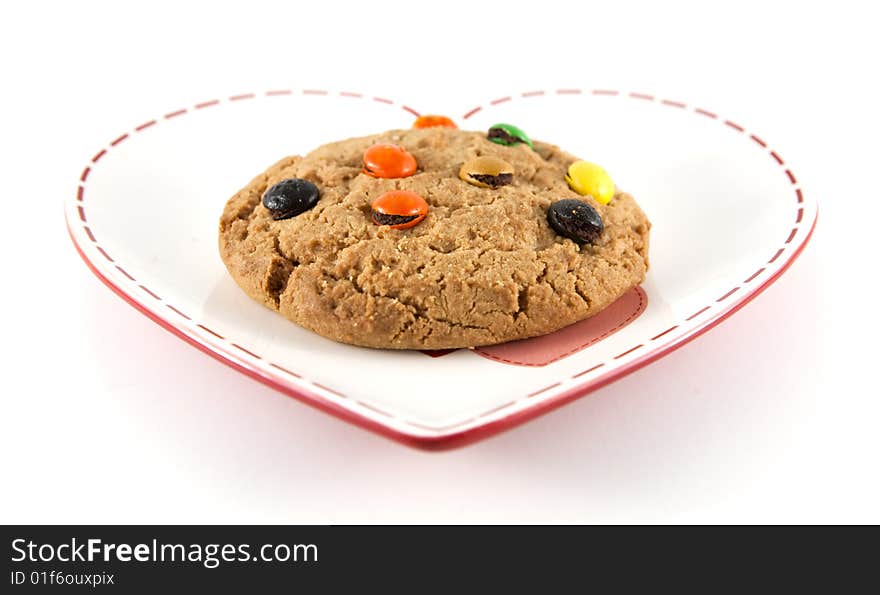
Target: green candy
{"x":508,"y":134}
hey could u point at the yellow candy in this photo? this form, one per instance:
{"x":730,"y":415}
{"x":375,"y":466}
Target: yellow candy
{"x":588,"y":178}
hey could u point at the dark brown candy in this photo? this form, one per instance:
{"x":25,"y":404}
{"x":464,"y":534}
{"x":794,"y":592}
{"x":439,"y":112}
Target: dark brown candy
{"x":575,"y":219}
{"x":288,"y":198}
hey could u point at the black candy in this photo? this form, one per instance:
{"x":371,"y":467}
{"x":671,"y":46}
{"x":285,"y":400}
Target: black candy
{"x":288,"y":198}
{"x":575,"y":219}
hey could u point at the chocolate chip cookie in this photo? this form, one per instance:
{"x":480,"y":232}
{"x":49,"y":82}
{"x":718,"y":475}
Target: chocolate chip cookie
{"x":434,"y":238}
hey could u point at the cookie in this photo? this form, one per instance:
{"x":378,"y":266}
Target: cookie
{"x":482,"y":265}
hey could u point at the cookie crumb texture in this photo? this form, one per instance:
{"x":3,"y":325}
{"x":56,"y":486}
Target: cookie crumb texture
{"x":484,"y":266}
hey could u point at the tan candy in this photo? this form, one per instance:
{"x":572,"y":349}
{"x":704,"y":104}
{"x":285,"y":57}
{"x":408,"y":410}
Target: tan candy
{"x":487,"y":172}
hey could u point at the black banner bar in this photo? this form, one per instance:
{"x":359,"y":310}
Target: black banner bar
{"x":135,"y":559}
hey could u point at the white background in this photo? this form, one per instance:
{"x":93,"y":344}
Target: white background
{"x":771,"y":417}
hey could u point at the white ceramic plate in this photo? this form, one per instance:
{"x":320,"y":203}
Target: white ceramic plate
{"x":728,"y":215}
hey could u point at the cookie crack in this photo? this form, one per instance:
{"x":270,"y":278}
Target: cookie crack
{"x":581,"y":294}
{"x":522,"y":300}
{"x":279,"y":273}
{"x":417,"y":312}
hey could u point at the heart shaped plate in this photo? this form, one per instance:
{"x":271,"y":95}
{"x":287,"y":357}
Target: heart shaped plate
{"x":728,"y":218}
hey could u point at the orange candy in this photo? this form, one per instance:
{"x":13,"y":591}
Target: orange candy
{"x":389,"y":161}
{"x":399,"y":209}
{"x":433,"y":121}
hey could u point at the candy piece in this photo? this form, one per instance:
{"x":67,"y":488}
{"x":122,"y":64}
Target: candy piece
{"x":389,"y":161}
{"x":399,"y":209}
{"x":575,"y":219}
{"x":588,"y":178}
{"x":433,"y":121}
{"x":508,"y":134}
{"x":487,"y":172}
{"x":288,"y":198}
